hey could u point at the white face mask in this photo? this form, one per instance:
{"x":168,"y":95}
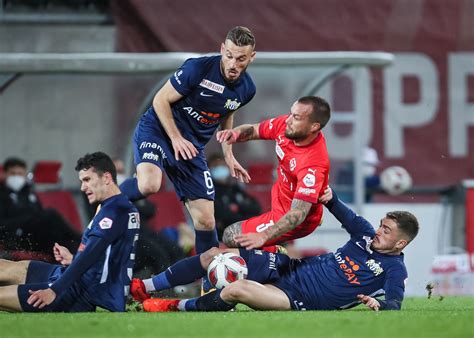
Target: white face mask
{"x":15,"y":182}
{"x":221,"y":172}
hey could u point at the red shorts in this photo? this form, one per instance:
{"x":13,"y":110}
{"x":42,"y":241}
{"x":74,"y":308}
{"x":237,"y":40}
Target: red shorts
{"x":264,"y":221}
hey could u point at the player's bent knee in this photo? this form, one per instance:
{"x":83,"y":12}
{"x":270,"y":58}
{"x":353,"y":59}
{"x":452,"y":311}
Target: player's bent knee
{"x":236,"y":292}
{"x":148,"y":186}
{"x":206,"y":223}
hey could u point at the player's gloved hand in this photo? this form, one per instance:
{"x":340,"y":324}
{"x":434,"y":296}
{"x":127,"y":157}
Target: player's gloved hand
{"x":138,"y":290}
{"x":229,"y":136}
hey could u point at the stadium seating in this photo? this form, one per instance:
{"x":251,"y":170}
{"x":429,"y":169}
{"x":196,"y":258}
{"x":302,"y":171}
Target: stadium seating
{"x":262,"y":195}
{"x":169,"y":210}
{"x":47,"y":172}
{"x":261,"y":173}
{"x":64,"y":203}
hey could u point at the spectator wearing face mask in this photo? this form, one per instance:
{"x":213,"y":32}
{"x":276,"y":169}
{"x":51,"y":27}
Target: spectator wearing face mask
{"x":232,"y":203}
{"x":24,"y":224}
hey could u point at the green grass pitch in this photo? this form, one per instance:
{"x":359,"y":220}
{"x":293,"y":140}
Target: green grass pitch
{"x":421,"y":317}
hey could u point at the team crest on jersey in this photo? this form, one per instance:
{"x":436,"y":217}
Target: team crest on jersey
{"x":374,"y":267}
{"x":232,"y":104}
{"x":105,"y":223}
{"x":215,"y":87}
{"x":309,"y":180}
{"x":292,"y":164}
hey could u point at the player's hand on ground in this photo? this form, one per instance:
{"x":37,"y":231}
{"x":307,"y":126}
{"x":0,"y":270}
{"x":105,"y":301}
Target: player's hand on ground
{"x":229,"y":136}
{"x":62,"y":255}
{"x":370,"y":302}
{"x":327,"y":196}
{"x":236,"y":170}
{"x":183,"y":148}
{"x":251,"y":240}
{"x":41,"y":298}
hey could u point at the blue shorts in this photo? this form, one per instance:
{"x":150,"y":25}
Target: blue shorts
{"x":191,"y":178}
{"x":276,"y":269}
{"x":39,"y":276}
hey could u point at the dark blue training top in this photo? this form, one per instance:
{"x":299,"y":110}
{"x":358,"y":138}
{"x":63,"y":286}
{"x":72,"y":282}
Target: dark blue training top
{"x":104,"y":261}
{"x":333,"y":281}
{"x":207,"y":98}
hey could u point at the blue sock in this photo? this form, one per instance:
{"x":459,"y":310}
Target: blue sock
{"x":182,"y":272}
{"x":209,"y":302}
{"x":129,"y":187}
{"x":206,"y":240}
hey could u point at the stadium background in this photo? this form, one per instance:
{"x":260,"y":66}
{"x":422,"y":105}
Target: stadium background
{"x":417,"y":113}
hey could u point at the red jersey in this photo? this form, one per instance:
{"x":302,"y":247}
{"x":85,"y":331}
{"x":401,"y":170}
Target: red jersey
{"x":303,"y":171}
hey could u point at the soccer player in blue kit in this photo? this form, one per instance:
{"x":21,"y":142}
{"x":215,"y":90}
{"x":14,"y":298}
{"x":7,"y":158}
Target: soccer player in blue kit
{"x":369,"y":265}
{"x":202,"y":94}
{"x":99,"y":274}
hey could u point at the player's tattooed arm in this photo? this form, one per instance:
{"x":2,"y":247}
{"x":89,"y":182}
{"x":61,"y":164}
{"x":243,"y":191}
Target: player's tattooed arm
{"x":294,"y":217}
{"x":247,"y":132}
{"x":228,"y":237}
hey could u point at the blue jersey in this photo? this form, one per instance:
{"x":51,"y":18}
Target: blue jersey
{"x":333,"y":281}
{"x":107,"y":271}
{"x":207,"y":100}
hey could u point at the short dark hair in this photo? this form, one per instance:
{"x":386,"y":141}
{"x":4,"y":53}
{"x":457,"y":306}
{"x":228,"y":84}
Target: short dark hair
{"x":13,"y":162}
{"x":241,"y":36}
{"x":406,"y":222}
{"x":100,"y":162}
{"x":321,"y":110}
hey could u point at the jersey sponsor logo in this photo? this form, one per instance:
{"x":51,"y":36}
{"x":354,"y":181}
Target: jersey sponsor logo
{"x":210,"y":192}
{"x":209,"y":118}
{"x":177,"y":74}
{"x":232,"y":104}
{"x":306,"y":191}
{"x":152,"y":145}
{"x":272,"y":261}
{"x":133,"y":220}
{"x":309,"y":180}
{"x":292,"y":164}
{"x":279,"y":152}
{"x":349,"y":267}
{"x":105,"y":223}
{"x":215,"y":87}
{"x":203,"y":93}
{"x":151,"y":156}
{"x":374,"y":267}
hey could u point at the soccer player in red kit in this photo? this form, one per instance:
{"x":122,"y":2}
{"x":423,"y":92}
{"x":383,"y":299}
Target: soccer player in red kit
{"x":303,"y":169}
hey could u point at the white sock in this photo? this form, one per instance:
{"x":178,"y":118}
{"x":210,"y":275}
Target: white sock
{"x":149,"y":286}
{"x":182,"y":304}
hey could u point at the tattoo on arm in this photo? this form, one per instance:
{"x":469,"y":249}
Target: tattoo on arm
{"x":298,"y":212}
{"x":228,"y":237}
{"x":246,"y":134}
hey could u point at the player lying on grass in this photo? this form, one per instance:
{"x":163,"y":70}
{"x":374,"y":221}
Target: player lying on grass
{"x":97,"y":274}
{"x":369,"y":265}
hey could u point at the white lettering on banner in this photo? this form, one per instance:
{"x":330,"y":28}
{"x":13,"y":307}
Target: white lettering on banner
{"x":461,"y":113}
{"x":398,"y":114}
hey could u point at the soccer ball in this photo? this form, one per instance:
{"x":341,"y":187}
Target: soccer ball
{"x":395,"y":180}
{"x":226,"y":268}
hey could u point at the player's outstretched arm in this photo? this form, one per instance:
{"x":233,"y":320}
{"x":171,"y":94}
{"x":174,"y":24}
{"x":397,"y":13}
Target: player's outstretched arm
{"x":162,"y":105}
{"x":242,"y":133}
{"x":294,"y":217}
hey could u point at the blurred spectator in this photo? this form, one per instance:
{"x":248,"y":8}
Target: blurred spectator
{"x":232,"y":203}
{"x":345,"y":176}
{"x":155,"y":251}
{"x":24,"y":224}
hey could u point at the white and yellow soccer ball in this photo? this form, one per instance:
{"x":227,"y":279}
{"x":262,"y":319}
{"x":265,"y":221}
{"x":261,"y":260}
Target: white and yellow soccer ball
{"x":226,"y":268}
{"x":395,"y":180}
